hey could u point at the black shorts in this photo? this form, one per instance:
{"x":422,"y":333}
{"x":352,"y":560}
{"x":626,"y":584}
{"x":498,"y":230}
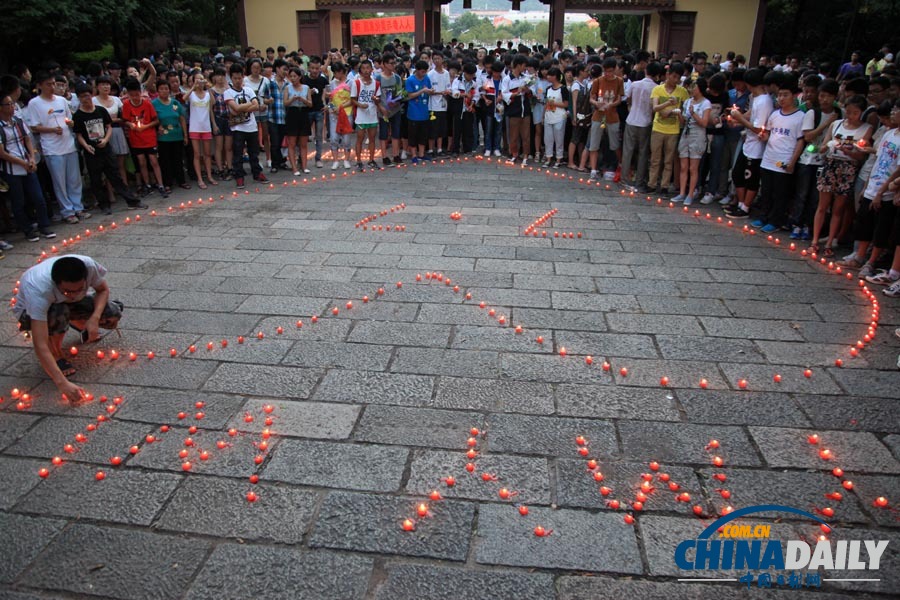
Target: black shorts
{"x":746,"y":173}
{"x":135,"y":152}
{"x":418,"y":133}
{"x":390,"y":129}
{"x":60,"y":314}
{"x":438,"y":127}
{"x":580,"y":134}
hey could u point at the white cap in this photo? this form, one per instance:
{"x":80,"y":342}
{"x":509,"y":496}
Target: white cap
{"x":889,"y":57}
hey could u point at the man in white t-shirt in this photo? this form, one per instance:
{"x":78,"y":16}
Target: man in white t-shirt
{"x":242,"y":108}
{"x":638,"y":126}
{"x":50,"y":116}
{"x":745,"y":174}
{"x":784,"y":144}
{"x":437,"y":103}
{"x":53,"y":295}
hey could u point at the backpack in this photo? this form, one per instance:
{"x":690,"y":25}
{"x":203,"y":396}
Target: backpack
{"x":817,"y":116}
{"x":358,"y":83}
{"x":584,"y":111}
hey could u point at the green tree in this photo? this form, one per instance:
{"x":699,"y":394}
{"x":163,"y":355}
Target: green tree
{"x":582,"y":35}
{"x":465,"y":22}
{"x":619,"y":30}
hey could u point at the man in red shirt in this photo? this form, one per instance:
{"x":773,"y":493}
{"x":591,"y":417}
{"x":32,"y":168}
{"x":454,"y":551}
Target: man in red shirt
{"x":139,"y":118}
{"x":606,"y":95}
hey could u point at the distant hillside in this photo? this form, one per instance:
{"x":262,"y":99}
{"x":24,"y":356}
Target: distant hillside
{"x":456,"y":7}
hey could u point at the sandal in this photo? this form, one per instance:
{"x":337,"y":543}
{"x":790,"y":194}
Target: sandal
{"x":828,"y":253}
{"x":185,"y":186}
{"x":213,"y":182}
{"x":201,"y":185}
{"x":813,"y":249}
{"x":65,"y":366}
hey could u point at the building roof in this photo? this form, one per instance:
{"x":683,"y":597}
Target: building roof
{"x":618,"y":5}
{"x":374,"y":5}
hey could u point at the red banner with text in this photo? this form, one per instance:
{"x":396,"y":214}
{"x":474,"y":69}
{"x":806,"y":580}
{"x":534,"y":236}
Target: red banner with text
{"x":401,"y":24}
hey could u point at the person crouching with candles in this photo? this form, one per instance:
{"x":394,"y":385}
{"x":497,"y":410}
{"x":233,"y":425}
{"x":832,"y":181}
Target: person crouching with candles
{"x":53,"y":295}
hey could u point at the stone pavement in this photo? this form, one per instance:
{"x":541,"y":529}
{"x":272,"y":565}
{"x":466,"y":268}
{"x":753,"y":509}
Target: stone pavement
{"x":371,"y":408}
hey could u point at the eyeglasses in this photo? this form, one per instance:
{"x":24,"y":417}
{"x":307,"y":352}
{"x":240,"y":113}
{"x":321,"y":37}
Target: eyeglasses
{"x":7,"y":103}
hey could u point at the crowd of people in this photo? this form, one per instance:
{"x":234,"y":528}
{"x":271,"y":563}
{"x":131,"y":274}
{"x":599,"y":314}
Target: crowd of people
{"x":811,"y":149}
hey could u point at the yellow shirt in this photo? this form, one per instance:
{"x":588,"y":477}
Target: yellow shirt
{"x":668,"y":125}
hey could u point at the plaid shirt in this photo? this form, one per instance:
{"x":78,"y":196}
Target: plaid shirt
{"x":276,"y":109}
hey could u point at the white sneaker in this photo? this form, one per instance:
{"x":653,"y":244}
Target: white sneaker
{"x":403,"y":155}
{"x":306,"y":170}
{"x":497,"y":153}
{"x":726,"y":200}
{"x":347,"y":164}
{"x":525,"y":161}
{"x":335,"y":165}
{"x":319,"y":164}
{"x":707,"y":198}
{"x":296,"y":173}
{"x":269,"y":164}
{"x":487,"y":152}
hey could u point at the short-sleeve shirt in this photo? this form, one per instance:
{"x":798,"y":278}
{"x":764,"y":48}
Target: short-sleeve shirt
{"x":14,"y":133}
{"x":170,"y":116}
{"x":37,"y":292}
{"x":317,"y":86}
{"x":92,"y":125}
{"x":52,"y":113}
{"x":784,"y":131}
{"x":760,"y":108}
{"x":690,"y":120}
{"x":417,"y":108}
{"x":668,"y":125}
{"x":811,"y":154}
{"x":199,"y":113}
{"x":365,"y":93}
{"x":887,"y":159}
{"x":608,"y":90}
{"x":440,"y":82}
{"x":245,"y":122}
{"x":142,"y":114}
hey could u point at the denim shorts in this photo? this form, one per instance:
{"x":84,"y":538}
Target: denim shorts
{"x":62,"y":313}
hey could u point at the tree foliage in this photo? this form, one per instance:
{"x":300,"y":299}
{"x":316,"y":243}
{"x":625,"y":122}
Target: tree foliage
{"x":619,"y":30}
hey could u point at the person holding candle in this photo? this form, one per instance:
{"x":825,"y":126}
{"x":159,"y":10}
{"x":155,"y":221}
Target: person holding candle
{"x":172,"y":136}
{"x":418,"y":91}
{"x":464,"y":88}
{"x":50,"y":116}
{"x":140,"y":119}
{"x":222,"y":133}
{"x":93,"y":130}
{"x":555,"y":118}
{"x":606,"y":95}
{"x":297,"y":101}
{"x":52,"y":297}
{"x":201,"y":125}
{"x":666,"y":100}
{"x":837,"y":176}
{"x":745,"y":174}
{"x":517,"y":99}
{"x":242,"y":108}
{"x":437,"y":104}
{"x":108,"y":98}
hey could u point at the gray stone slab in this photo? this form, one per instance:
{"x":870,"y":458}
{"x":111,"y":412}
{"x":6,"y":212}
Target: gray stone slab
{"x":367,"y":357}
{"x":781,"y":311}
{"x":742,"y":408}
{"x":117,"y":563}
{"x":799,"y":489}
{"x":21,"y":541}
{"x":407,"y":581}
{"x":563,"y":283}
{"x":400,"y":334}
{"x":369,"y":523}
{"x":268,"y":351}
{"x":309,"y":272}
{"x":265,"y":286}
{"x":14,"y":426}
{"x":234,"y":571}
{"x":236,"y":459}
{"x":552,"y":369}
{"x":381,"y":310}
{"x":494,"y":395}
{"x":331,"y":330}
{"x":124,"y":496}
{"x":616,"y":402}
{"x":685,"y":443}
{"x":218,"y":507}
{"x":683,"y":306}
{"x":188,"y":375}
{"x":594,"y":302}
{"x":432,"y":361}
{"x":576,"y":486}
{"x":367,"y":387}
{"x":301,"y":419}
{"x":684,"y":347}
{"x":512,"y":297}
{"x":261,"y":380}
{"x":527,"y":478}
{"x":607,"y":344}
{"x":189,"y":321}
{"x":561,"y":319}
{"x":762,"y":378}
{"x":294,"y":306}
{"x":853,"y":413}
{"x":205,"y":301}
{"x":506,"y":538}
{"x":809,"y":354}
{"x":17,"y":477}
{"x":681,"y":373}
{"x":348,"y":466}
{"x":501,"y":338}
{"x":853,"y":451}
{"x":749,"y":328}
{"x":577,"y":588}
{"x":48,"y":437}
{"x":417,"y":426}
{"x":468,"y":314}
{"x":881,"y":384}
{"x":640,"y":323}
{"x":548,"y":436}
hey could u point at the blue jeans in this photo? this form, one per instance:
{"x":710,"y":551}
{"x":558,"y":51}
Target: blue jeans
{"x":492,"y":128}
{"x":22,"y":188}
{"x":317,"y":124}
{"x":66,"y":176}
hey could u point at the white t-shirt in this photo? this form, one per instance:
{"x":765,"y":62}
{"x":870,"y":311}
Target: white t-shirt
{"x":887,"y":160}
{"x":53,"y":113}
{"x":866,"y":169}
{"x":558,"y":114}
{"x":809,"y":123}
{"x":760,"y":109}
{"x":37,"y":292}
{"x":840,"y":132}
{"x":784,"y":131}
{"x":115,"y":110}
{"x":244,"y":95}
{"x":199,"y":108}
{"x":640,"y":113}
{"x":439,"y":83}
{"x":365,"y":93}
{"x":698,"y":108}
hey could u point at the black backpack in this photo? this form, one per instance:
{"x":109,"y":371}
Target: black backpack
{"x":584,"y":107}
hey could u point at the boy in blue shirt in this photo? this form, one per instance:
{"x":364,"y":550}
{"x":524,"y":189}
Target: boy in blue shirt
{"x":418,"y":88}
